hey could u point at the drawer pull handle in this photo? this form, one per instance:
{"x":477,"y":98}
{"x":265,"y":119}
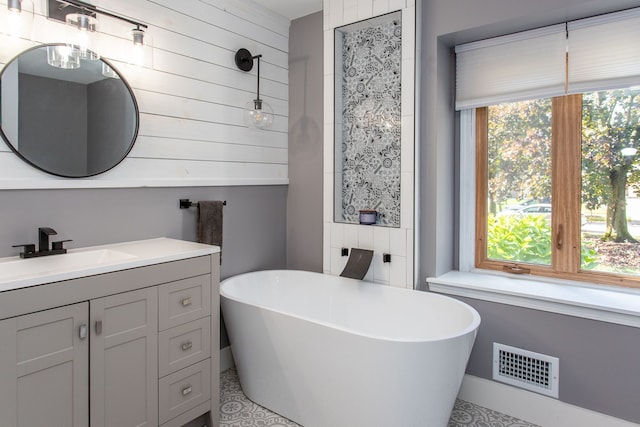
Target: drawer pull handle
{"x":187,"y":390}
{"x":82,"y":332}
{"x":186,"y":302}
{"x":187,"y":345}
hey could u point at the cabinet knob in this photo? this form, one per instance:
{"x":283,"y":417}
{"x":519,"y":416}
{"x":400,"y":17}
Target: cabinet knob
{"x":187,"y":345}
{"x":187,"y":390}
{"x":99,"y":327}
{"x":186,"y":302}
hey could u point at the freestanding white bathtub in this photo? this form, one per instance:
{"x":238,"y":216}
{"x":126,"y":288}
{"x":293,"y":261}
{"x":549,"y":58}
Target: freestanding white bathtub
{"x":326,"y":351}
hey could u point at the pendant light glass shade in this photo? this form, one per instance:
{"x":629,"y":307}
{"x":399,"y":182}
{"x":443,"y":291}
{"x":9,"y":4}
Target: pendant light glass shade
{"x":17,"y":20}
{"x":63,"y":56}
{"x":107,"y":71}
{"x":84,"y":37}
{"x":258,"y":114}
{"x":139,"y":48}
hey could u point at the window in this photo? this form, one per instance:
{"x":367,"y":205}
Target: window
{"x":557,"y":135}
{"x":558,"y":187}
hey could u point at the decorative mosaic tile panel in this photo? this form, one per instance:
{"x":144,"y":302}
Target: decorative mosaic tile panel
{"x":371,"y":116}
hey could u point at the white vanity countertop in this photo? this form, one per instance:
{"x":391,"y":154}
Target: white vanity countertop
{"x":17,"y":273}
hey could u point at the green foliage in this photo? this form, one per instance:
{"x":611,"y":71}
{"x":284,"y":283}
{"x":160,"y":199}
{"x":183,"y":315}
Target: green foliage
{"x":519,"y":238}
{"x":519,"y":151}
{"x":527,"y":239}
{"x":588,"y":257}
{"x":610,"y":122}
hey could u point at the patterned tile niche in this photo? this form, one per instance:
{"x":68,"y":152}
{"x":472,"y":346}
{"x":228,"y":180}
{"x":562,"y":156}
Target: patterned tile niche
{"x":368,"y":118}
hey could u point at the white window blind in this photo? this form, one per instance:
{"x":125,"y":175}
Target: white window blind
{"x":604,"y":52}
{"x":525,"y":65}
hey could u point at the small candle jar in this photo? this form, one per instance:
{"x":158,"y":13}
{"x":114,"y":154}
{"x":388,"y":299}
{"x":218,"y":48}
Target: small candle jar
{"x":368,"y":217}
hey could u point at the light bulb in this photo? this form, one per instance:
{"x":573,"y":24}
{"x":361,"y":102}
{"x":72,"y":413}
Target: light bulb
{"x":258,"y":114}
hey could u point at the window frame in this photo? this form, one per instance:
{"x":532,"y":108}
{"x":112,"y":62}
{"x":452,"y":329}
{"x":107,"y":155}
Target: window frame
{"x":566,"y":165}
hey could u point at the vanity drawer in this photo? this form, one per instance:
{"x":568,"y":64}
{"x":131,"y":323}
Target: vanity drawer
{"x":184,"y":390}
{"x":184,"y":345}
{"x":184,"y":301}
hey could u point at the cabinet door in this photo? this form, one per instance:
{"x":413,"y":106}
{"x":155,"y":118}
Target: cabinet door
{"x":124,"y":372}
{"x":44,"y":369}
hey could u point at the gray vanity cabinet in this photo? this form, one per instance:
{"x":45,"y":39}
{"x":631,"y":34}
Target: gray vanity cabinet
{"x":44,"y":368}
{"x":136,"y":347}
{"x":124,"y":386}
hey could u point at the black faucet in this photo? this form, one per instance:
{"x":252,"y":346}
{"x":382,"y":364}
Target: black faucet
{"x":43,"y":238}
{"x":43,"y":245}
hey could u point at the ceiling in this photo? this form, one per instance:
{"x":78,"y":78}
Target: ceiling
{"x":292,"y":9}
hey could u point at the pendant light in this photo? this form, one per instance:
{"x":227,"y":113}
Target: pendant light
{"x":258,"y":113}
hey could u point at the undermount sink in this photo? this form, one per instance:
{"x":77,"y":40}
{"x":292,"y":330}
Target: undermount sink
{"x":19,"y":268}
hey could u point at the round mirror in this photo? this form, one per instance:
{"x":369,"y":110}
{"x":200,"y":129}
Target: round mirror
{"x":65,"y":115}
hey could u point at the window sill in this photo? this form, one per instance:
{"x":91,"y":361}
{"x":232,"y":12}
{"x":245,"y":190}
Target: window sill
{"x":602,"y":303}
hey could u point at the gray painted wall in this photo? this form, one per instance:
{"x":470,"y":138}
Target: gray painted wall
{"x":599,"y":366}
{"x":253,"y":233}
{"x":304,"y":204}
{"x":598,"y":361}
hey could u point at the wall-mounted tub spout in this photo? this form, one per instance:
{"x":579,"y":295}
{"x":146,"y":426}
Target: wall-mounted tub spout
{"x":358,"y":264}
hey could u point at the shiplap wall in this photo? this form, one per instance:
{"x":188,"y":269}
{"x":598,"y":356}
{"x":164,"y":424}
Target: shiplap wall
{"x":399,"y":242}
{"x":191,"y":97}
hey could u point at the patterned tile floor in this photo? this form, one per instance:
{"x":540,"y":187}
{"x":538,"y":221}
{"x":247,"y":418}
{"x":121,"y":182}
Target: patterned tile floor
{"x":238,"y":411}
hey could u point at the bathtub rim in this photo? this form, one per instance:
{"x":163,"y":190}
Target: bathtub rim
{"x":472,"y":327}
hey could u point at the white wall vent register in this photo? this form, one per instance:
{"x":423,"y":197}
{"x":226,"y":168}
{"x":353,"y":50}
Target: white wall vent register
{"x":526,"y":369}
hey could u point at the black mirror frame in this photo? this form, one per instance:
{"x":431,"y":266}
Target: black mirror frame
{"x":133,"y":99}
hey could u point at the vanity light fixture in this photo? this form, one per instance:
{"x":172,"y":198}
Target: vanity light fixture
{"x":258,"y":114}
{"x":83,"y":16}
{"x":19,"y":18}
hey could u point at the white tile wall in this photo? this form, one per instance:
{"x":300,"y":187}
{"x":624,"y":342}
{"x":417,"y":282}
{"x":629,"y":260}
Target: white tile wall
{"x":396,"y":241}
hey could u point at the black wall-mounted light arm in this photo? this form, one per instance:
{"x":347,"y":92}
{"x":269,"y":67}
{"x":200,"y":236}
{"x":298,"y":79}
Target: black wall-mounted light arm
{"x":244,"y":61}
{"x":58,"y":10}
{"x":260,"y":113}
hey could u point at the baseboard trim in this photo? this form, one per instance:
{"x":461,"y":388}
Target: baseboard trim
{"x":226,"y":359}
{"x":533,"y":407}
